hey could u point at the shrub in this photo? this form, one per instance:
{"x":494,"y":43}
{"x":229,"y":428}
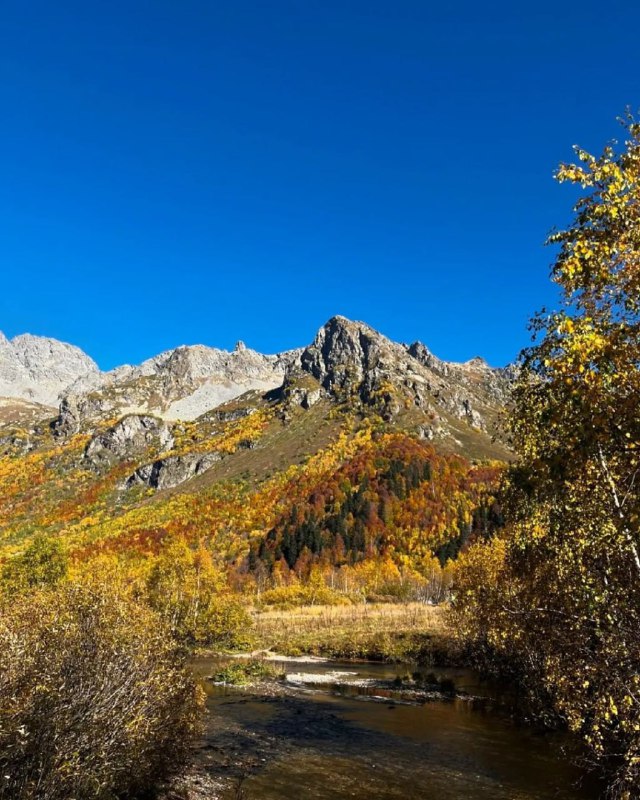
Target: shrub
{"x":43,"y":563}
{"x":297,"y":594}
{"x":95,"y":703}
{"x":244,"y":673}
{"x":189,"y":593}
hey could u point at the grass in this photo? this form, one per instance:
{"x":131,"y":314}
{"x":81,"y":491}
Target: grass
{"x":380,"y":632}
{"x":243,"y":673}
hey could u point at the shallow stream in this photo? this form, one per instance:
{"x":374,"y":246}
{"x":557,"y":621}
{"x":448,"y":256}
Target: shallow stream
{"x":345,"y":730}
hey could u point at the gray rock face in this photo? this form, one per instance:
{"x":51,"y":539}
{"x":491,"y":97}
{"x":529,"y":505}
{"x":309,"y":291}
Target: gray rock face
{"x":351,"y":359}
{"x":300,"y":389}
{"x":172,"y":471}
{"x":305,"y":397}
{"x":347,"y":360}
{"x":342,"y":354}
{"x":39,"y":369}
{"x":179,"y":384}
{"x":129,"y":437}
{"x":227,"y":415}
{"x":422,"y":354}
{"x":471,"y":384}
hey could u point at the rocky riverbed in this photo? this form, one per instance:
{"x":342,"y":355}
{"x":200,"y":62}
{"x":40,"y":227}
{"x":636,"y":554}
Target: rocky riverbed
{"x":327,"y":731}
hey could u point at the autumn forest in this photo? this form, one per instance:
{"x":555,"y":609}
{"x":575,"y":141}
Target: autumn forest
{"x":130,"y":545}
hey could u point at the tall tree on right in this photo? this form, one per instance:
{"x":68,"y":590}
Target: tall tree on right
{"x":560,"y":598}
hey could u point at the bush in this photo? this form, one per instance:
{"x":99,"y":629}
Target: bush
{"x":302,"y":595}
{"x":43,"y":563}
{"x":244,"y":673}
{"x":189,"y":593}
{"x":95,"y":703}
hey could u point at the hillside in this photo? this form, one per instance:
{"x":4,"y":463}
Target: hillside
{"x":352,"y":448}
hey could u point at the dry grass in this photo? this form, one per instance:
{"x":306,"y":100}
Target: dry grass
{"x":385,"y":631}
{"x":362,"y":617}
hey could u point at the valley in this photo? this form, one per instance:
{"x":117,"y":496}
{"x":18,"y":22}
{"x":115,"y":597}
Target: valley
{"x":308,"y":503}
{"x":319,"y":406}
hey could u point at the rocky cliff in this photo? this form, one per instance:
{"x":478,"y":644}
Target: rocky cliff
{"x":352,"y":361}
{"x":178,"y":384}
{"x":348,"y":363}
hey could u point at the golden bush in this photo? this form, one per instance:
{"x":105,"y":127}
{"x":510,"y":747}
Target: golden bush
{"x":95,"y":702}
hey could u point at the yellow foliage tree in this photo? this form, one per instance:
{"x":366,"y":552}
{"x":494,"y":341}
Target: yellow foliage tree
{"x":95,"y":699}
{"x":189,"y":592}
{"x":566,"y":605}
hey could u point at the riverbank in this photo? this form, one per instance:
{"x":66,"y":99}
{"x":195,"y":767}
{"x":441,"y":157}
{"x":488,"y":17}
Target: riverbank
{"x":389,"y":632}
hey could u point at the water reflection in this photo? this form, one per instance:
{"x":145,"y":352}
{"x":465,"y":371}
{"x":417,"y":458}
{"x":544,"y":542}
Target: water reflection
{"x":329,"y":742}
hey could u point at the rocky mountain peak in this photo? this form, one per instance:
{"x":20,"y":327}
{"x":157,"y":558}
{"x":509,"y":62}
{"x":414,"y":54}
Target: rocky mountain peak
{"x":478,"y":362}
{"x":344,"y":353}
{"x":40,"y":369}
{"x":424,"y":356}
{"x":351,"y":359}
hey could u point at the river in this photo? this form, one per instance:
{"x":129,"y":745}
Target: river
{"x":342,"y":730}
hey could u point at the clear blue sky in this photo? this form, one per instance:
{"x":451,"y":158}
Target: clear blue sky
{"x":182,"y":172}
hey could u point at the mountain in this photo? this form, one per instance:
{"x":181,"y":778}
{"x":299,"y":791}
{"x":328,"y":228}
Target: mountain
{"x":407,"y":384}
{"x":38,"y":369}
{"x":178,"y":384}
{"x":354,"y":444}
{"x":457,"y":405}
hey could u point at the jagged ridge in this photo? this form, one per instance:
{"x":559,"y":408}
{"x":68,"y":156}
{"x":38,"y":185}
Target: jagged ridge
{"x":348,"y":362}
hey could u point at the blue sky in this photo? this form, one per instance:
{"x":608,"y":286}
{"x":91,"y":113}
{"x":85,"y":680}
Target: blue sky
{"x":184,"y":172}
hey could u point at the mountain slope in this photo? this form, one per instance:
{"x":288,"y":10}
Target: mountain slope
{"x":352,"y":446}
